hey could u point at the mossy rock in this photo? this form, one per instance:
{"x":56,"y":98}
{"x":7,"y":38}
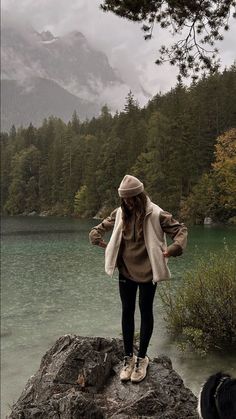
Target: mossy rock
{"x":232,"y":220}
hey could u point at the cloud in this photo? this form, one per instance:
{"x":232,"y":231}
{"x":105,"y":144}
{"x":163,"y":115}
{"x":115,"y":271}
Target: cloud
{"x":120,"y":39}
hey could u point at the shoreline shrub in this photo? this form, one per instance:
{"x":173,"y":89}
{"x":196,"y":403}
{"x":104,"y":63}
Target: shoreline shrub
{"x":201,"y":312}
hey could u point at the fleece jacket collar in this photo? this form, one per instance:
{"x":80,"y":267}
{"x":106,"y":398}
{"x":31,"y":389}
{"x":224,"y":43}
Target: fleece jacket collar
{"x":149,"y":207}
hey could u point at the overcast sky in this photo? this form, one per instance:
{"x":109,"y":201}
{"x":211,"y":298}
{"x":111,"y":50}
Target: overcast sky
{"x":120,"y":39}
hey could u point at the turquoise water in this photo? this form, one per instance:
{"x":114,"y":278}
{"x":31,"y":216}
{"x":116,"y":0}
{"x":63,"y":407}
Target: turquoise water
{"x":53,"y":283}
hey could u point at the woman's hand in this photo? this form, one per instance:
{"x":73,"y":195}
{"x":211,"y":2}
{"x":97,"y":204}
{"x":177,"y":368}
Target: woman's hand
{"x":102,"y":244}
{"x":166,"y":254}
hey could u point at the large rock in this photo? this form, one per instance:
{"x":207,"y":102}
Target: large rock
{"x":79,"y":378}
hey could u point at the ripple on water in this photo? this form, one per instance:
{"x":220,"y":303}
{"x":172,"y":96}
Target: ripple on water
{"x":53,"y":283}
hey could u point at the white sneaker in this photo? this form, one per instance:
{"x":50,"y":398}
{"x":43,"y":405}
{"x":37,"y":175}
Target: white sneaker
{"x":140,"y":369}
{"x":128,"y":367}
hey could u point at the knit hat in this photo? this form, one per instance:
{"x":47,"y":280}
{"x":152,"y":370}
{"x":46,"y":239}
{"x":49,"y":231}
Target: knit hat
{"x":130,"y":186}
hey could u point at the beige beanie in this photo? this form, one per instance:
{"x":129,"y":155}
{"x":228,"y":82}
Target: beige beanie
{"x":130,"y":186}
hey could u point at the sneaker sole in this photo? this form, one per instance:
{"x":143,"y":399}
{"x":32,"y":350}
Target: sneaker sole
{"x":138,"y":381}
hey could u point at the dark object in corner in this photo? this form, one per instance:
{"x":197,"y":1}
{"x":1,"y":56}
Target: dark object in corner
{"x":217,"y":398}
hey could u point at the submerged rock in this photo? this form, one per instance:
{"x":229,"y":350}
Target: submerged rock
{"x":32,"y":213}
{"x":208,"y":221}
{"x":79,"y":378}
{"x":44,"y":213}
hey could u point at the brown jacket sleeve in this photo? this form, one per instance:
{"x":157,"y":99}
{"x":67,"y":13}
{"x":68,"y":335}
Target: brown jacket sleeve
{"x":97,"y":232}
{"x":176,"y":231}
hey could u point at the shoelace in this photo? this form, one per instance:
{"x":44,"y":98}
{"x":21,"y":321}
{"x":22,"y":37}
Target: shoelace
{"x":137,"y":365}
{"x":126,"y":362}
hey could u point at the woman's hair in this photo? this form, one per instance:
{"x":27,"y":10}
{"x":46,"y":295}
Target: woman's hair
{"x":140,"y":202}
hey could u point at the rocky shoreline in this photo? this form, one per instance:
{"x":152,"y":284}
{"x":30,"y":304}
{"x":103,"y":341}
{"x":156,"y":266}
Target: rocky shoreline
{"x":79,"y":378}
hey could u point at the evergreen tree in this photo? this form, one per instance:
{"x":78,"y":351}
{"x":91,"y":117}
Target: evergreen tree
{"x":169,"y":144}
{"x":13,"y":132}
{"x":199,"y":23}
{"x":46,"y":139}
{"x":24,"y":182}
{"x":155,"y":164}
{"x":75,"y":123}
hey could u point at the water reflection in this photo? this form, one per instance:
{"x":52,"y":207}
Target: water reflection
{"x":53,"y":283}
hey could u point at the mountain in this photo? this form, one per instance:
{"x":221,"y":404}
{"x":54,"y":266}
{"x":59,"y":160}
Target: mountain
{"x":43,"y":75}
{"x":38,"y":98}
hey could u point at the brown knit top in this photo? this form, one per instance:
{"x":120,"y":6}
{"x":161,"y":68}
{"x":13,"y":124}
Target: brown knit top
{"x":133,"y":261}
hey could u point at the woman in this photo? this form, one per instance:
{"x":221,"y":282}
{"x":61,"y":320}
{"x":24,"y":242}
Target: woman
{"x":138,"y":249}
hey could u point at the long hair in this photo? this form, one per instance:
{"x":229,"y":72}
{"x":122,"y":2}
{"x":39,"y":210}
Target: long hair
{"x":140,"y":202}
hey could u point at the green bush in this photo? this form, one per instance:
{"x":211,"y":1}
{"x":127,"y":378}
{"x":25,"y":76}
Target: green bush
{"x":201,"y":311}
{"x":80,"y":200}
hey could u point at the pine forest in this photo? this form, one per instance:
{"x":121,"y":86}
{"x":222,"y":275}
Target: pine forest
{"x":182,"y":145}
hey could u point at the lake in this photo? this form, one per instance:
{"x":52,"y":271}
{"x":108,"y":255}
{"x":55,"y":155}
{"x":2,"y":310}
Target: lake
{"x":53,"y":283}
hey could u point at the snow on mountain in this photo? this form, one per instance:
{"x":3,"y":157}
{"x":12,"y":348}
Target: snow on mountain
{"x":31,"y":59}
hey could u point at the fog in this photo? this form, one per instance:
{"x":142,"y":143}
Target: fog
{"x":121,"y":40}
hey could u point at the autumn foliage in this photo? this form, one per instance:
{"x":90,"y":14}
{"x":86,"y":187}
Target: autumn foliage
{"x":224,"y":168}
{"x":215,"y":194}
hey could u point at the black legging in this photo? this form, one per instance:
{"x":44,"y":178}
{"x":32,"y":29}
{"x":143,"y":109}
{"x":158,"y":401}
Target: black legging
{"x":128,"y":291}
